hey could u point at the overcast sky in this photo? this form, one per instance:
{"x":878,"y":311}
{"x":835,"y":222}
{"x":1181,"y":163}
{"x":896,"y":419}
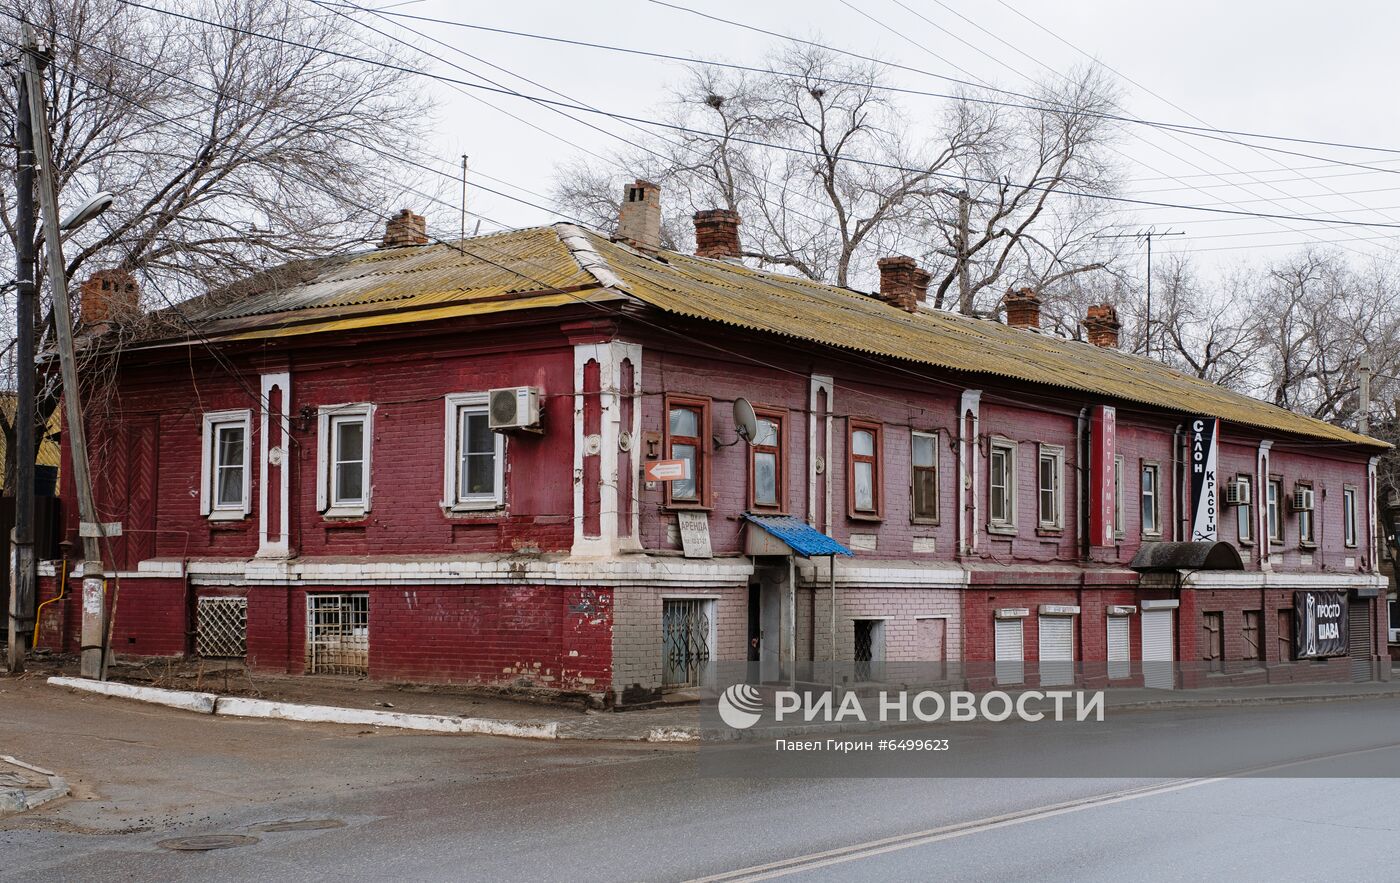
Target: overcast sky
{"x":1299,"y":69}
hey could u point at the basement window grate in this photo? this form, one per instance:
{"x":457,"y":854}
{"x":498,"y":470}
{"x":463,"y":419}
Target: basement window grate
{"x":337,"y":633}
{"x":222,"y":628}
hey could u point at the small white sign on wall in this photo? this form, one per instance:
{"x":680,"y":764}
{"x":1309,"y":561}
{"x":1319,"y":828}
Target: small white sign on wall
{"x":695,"y":534}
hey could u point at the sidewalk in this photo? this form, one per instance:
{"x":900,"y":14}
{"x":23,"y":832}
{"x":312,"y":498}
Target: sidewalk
{"x":452,"y":709}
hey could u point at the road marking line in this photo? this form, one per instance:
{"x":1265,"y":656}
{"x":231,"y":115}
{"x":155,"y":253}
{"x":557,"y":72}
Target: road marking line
{"x":871,"y":848}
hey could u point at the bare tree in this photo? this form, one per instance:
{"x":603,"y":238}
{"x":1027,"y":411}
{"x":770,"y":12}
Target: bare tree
{"x":227,"y":152}
{"x":1025,"y":209}
{"x":1316,"y":317}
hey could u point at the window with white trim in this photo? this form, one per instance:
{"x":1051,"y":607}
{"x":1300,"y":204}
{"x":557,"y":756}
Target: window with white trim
{"x":1001,"y":486}
{"x":1151,"y":500}
{"x":344,"y":446}
{"x":1051,"y":475}
{"x":475,"y":456}
{"x":226,"y":487}
{"x":1349,"y":516}
{"x":924,"y":472}
{"x":1244,"y":512}
{"x":1273,"y":500}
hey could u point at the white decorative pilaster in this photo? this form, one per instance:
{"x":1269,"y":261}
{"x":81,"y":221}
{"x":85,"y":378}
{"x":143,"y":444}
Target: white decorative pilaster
{"x":969,"y":424}
{"x":604,"y":444}
{"x":274,"y":460}
{"x":819,"y":428}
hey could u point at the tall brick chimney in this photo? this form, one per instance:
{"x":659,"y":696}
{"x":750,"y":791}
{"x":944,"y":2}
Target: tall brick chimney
{"x":405,"y":228}
{"x":1023,"y":308}
{"x":717,"y":234}
{"x":897,"y":282}
{"x":108,"y":297}
{"x":639,"y":218}
{"x":1103,"y":325}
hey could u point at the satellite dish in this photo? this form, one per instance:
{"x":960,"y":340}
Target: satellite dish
{"x":745,"y":422}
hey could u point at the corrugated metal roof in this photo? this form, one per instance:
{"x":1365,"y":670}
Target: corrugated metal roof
{"x":721,"y":291}
{"x":800,"y":536}
{"x":556,"y":266}
{"x":409,"y":278}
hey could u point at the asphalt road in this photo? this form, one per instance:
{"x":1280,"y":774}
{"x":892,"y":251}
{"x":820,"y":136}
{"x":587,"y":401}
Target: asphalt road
{"x":422,"y":807}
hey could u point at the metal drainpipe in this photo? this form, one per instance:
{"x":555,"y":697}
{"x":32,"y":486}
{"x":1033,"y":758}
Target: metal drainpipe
{"x":1081,"y":440}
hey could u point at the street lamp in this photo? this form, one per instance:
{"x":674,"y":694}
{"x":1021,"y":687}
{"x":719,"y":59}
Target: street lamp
{"x":87,"y":211}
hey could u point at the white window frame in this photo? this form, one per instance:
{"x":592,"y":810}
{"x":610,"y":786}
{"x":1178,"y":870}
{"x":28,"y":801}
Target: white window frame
{"x":1156,"y":468}
{"x":327,"y":415}
{"x":1007,"y":525}
{"x":1307,"y":519}
{"x":212,"y":421}
{"x":452,"y":463}
{"x":1273,"y":509}
{"x":1349,"y":519}
{"x":1056,"y":521}
{"x":1245,"y":515}
{"x":936,"y":438}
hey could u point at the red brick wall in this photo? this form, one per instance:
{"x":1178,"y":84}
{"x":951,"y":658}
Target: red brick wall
{"x":407,"y":381}
{"x":149,"y":618}
{"x":540,"y":636}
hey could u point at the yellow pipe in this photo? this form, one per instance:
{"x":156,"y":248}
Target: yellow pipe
{"x":39,"y":613}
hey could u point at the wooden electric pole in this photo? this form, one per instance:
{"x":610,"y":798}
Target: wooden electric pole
{"x":90,"y":529}
{"x":23,"y":570}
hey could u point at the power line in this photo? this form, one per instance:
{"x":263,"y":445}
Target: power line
{"x":1203,"y":131}
{"x":757,"y":142}
{"x":1178,"y":107}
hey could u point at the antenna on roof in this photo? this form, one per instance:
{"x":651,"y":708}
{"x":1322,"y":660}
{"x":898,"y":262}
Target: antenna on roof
{"x":463,"y":231}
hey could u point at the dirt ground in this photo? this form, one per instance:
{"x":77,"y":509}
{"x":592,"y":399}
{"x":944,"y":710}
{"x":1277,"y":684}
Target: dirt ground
{"x":232,"y":679}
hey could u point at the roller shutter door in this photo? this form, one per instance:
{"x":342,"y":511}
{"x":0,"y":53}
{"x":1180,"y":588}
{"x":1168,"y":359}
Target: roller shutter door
{"x":1158,"y":649}
{"x":1056,"y":650}
{"x":1119,"y":647}
{"x":1010,"y":651}
{"x":1359,"y":639}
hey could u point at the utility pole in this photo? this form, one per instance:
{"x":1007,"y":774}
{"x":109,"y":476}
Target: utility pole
{"x":1363,"y":419}
{"x":1147,"y":234}
{"x":23,"y":572}
{"x":90,"y":529}
{"x":964,"y":237}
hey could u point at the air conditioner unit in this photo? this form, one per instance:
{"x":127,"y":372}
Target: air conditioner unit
{"x":1237,"y":493}
{"x":515,"y":408}
{"x":1302,"y":499}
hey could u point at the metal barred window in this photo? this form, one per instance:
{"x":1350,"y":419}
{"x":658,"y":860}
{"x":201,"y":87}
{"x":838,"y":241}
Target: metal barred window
{"x":221,"y":628}
{"x":686,"y":625}
{"x":337,"y":633}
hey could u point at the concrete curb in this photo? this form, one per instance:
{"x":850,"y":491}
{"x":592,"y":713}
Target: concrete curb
{"x":237,"y":706}
{"x":17,"y":800}
{"x":201,"y":703}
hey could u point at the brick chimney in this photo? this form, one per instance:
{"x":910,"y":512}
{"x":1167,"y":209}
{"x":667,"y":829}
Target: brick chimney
{"x":922,"y":278}
{"x":1023,"y":308}
{"x":405,"y":228}
{"x":108,"y":297}
{"x":717,"y":234}
{"x":902,"y":283}
{"x":639,"y":218}
{"x":1103,"y":325}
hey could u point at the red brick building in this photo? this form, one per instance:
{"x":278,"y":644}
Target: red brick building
{"x":307,"y":473}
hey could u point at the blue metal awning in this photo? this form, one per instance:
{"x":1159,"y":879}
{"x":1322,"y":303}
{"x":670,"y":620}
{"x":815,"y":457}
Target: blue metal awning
{"x":798,"y":535}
